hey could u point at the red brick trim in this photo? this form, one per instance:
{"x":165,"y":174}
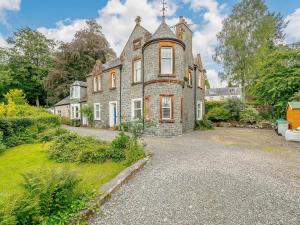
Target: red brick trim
{"x":164,"y":81}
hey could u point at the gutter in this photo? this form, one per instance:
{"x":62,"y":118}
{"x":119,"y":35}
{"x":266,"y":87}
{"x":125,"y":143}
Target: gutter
{"x":143,"y":95}
{"x":120,"y":116}
{"x":195,"y":94}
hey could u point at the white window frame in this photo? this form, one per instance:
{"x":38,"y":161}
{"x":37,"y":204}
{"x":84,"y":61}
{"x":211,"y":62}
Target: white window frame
{"x":95,"y":83}
{"x":95,"y":111}
{"x":59,"y":112}
{"x":75,"y":92}
{"x":199,"y":80}
{"x":133,"y":109}
{"x":99,"y":83}
{"x":137,"y":71}
{"x":73,"y":113}
{"x":170,"y":69}
{"x":199,"y":110}
{"x":113,"y":80}
{"x":190,"y":78}
{"x":162,"y":108}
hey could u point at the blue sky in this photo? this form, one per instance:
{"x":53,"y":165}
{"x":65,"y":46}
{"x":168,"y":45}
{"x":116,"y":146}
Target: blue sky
{"x":60,"y":19}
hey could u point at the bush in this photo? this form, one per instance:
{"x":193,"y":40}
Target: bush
{"x":50,"y":134}
{"x":46,"y":195}
{"x":234,"y":106}
{"x":209,"y":105}
{"x":218,"y":114}
{"x":71,"y":147}
{"x":249,"y":115}
{"x":133,"y":153}
{"x":2,"y":145}
{"x":204,"y":124}
{"x":118,"y":146}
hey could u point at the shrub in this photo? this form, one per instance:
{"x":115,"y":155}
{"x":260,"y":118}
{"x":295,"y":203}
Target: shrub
{"x":118,"y":146}
{"x":204,"y":124}
{"x":88,"y":112}
{"x":46,"y":194}
{"x":70,"y":147}
{"x":17,"y":96}
{"x":65,"y":120}
{"x":209,"y":105}
{"x":50,"y":134}
{"x":249,"y":115}
{"x":133,"y":152}
{"x":2,"y":145}
{"x":234,"y":106}
{"x":218,"y":114}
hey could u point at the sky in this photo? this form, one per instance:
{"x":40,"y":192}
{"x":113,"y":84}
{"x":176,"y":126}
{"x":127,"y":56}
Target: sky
{"x":60,"y":19}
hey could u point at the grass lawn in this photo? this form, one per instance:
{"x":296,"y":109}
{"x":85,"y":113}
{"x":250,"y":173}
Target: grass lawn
{"x":33,"y":157}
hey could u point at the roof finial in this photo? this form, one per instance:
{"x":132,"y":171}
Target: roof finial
{"x":164,"y":8}
{"x":138,"y":20}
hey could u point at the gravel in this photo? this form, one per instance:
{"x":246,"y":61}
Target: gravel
{"x":194,"y":179}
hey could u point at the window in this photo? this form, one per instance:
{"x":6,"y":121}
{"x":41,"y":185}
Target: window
{"x":166,"y":104}
{"x":75,"y":111}
{"x":166,"y":60}
{"x":97,"y":115}
{"x":113,"y":80}
{"x":99,"y":83}
{"x":95,"y":84}
{"x":190,"y":79}
{"x":199,"y":110}
{"x":137,"y":44}
{"x":58,"y":112}
{"x":136,"y":109}
{"x":147,"y":108}
{"x":199,"y":80}
{"x":137,"y":71}
{"x":75,"y":92}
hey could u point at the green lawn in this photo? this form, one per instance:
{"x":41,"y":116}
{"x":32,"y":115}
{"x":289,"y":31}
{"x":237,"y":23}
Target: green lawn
{"x":33,"y":157}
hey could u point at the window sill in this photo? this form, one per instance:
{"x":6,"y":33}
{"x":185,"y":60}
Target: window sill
{"x":200,"y":87}
{"x":136,"y":83}
{"x":166,"y":121}
{"x":166,"y":75}
{"x":94,"y":92}
{"x":112,"y":88}
{"x":97,"y":119}
{"x":190,"y":86}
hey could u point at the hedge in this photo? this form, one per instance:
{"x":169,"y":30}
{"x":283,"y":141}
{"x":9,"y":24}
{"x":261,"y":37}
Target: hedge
{"x":17,"y":130}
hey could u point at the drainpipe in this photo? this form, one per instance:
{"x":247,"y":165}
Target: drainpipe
{"x":120,"y":118}
{"x":195,"y":94}
{"x":143,"y":96}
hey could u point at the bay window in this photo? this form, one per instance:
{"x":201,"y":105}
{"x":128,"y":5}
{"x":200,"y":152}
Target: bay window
{"x":136,"y":109}
{"x":166,"y":107}
{"x":166,"y":60}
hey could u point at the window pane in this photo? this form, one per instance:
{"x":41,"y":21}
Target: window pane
{"x":99,"y":83}
{"x":166,"y":102}
{"x":166,"y":52}
{"x":166,"y":113}
{"x":137,"y":104}
{"x":166,"y":61}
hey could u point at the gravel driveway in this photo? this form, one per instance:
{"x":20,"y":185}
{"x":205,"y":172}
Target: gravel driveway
{"x":224,"y":176}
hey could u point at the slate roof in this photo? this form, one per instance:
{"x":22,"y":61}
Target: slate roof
{"x":112,"y":63}
{"x":163,"y":31}
{"x":64,"y":101}
{"x":294,"y":105}
{"x":79,"y":83}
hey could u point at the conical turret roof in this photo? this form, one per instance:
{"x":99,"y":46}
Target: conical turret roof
{"x":163,"y":31}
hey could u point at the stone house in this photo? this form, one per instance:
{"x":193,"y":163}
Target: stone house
{"x":156,"y":80}
{"x":221,"y":94}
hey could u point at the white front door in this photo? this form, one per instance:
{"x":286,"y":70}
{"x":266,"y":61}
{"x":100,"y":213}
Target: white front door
{"x":113,"y":114}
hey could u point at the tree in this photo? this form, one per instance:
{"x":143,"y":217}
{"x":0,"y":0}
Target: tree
{"x":17,"y":96}
{"x":26,"y":64}
{"x":279,"y":78}
{"x":247,"y":35}
{"x":75,"y":60}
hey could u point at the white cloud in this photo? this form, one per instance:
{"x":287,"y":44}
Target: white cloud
{"x":64,"y":30}
{"x":214,"y":80}
{"x":293,"y":28}
{"x":3,"y":43}
{"x":8,"y":5}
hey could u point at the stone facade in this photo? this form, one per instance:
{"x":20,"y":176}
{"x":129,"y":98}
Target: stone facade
{"x":165,"y":102}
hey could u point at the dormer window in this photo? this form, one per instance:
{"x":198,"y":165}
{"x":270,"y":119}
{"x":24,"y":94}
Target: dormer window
{"x":166,"y":60}
{"x":75,"y":92}
{"x":113,"y":80}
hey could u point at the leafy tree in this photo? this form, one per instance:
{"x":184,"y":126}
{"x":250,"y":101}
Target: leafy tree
{"x":17,"y":96}
{"x":26,"y":63}
{"x":279,"y":78}
{"x":75,"y":60}
{"x":233,"y":106}
{"x":247,"y":35}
